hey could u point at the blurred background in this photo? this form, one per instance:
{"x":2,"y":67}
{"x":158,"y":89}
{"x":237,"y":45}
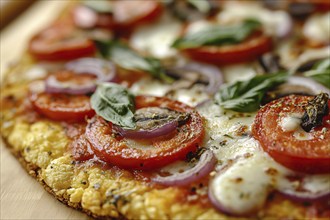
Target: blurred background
{"x":10,"y":9}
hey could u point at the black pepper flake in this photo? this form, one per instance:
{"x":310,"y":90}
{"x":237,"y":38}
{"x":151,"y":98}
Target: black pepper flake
{"x":223,"y":143}
{"x":27,"y":149}
{"x":83,"y":182}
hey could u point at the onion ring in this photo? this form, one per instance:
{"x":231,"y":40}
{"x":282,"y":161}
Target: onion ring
{"x":204,"y":166}
{"x":147,"y":134}
{"x":212,"y":73}
{"x":104,"y":71}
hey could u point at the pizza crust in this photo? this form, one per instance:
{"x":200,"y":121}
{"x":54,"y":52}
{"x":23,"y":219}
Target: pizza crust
{"x":104,"y":193}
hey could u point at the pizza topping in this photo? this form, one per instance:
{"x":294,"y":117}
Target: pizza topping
{"x":152,"y":122}
{"x":270,"y":63}
{"x":217,"y":35}
{"x":115,"y":104}
{"x":195,"y":72}
{"x":248,"y":50}
{"x":191,"y":9}
{"x":291,"y":122}
{"x":315,"y":111}
{"x":182,"y":177}
{"x":304,"y":188}
{"x":275,"y":23}
{"x":59,"y":42}
{"x":297,"y":150}
{"x":246,"y":96}
{"x":317,"y":28}
{"x":153,"y":154}
{"x":320,"y":72}
{"x":118,"y":15}
{"x":62,"y":107}
{"x":295,"y":85}
{"x":79,"y":79}
{"x":303,"y":85}
{"x":128,"y":59}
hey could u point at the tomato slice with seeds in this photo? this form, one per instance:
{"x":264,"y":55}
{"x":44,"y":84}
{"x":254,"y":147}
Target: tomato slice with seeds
{"x":158,"y":152}
{"x":60,"y":42}
{"x":62,"y":106}
{"x":248,"y":50}
{"x":297,"y":150}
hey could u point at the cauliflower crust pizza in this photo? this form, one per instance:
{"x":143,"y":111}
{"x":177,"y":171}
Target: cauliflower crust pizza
{"x":177,"y":109}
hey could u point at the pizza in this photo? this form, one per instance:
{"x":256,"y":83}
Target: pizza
{"x":177,"y":109}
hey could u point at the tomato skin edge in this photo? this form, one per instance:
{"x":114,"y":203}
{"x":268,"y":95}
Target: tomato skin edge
{"x":300,"y":163}
{"x":99,"y":134}
{"x":60,"y":115}
{"x":232,"y":54}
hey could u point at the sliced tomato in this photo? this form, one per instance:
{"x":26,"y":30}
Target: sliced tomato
{"x":248,"y":50}
{"x":60,"y":42}
{"x":158,"y":152}
{"x":308,"y":153}
{"x":81,"y":149}
{"x":62,"y":107}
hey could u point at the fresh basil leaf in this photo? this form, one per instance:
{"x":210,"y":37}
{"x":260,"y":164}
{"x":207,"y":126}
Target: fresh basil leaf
{"x":320,"y":72}
{"x":114,"y":103}
{"x":101,"y":6}
{"x":126,"y":58}
{"x":217,"y":35}
{"x":246,"y":96}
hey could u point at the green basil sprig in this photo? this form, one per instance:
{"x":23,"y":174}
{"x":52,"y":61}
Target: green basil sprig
{"x":114,"y":103}
{"x":320,"y":72}
{"x":128,"y":59}
{"x":246,"y":96}
{"x":218,"y":35}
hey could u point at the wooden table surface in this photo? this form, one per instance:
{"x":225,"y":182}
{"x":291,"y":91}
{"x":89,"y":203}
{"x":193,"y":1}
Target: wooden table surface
{"x":22,"y":197}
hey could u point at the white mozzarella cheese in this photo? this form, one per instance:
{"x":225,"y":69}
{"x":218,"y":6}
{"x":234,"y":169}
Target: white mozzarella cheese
{"x":290,"y":123}
{"x":317,"y":28}
{"x":156,"y":38}
{"x":246,"y":174}
{"x":239,"y":72}
{"x":274,"y":22}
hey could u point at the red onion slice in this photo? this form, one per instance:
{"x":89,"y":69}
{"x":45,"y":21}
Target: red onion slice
{"x":212,"y":73}
{"x":203,"y":167}
{"x":55,"y":86}
{"x":104,"y":71}
{"x":306,"y":189}
{"x":147,"y":134}
{"x":310,"y":84}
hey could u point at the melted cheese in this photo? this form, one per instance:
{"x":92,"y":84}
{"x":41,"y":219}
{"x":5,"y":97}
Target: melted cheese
{"x":246,"y":174}
{"x":317,"y":28}
{"x":290,"y":123}
{"x":274,"y":22}
{"x":156,"y":38}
